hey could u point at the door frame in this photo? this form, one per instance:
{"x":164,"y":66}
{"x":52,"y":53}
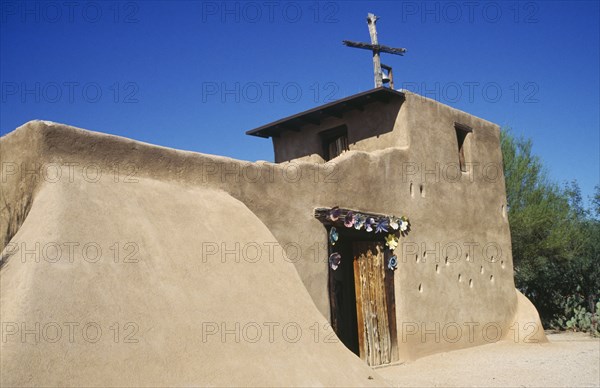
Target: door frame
{"x":389,"y":304}
{"x":350,"y":235}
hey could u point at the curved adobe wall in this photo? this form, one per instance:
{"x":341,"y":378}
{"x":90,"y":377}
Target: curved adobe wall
{"x":468,"y":293}
{"x":144,"y":304}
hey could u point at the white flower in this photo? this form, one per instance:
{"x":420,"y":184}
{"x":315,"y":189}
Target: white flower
{"x":394,"y":223}
{"x":403,"y":225}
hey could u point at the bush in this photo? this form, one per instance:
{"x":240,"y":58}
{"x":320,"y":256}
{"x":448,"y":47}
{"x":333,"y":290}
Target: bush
{"x":555,"y":241}
{"x":576,"y":317}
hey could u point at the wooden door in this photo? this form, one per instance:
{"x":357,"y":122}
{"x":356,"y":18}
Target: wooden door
{"x":374,"y":304}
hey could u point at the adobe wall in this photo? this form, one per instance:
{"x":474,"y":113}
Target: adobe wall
{"x":443,"y":210}
{"x":146,"y":306}
{"x":454,"y":284}
{"x":457,"y":287}
{"x":376,"y":127}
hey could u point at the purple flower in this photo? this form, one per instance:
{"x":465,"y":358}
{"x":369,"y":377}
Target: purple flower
{"x":334,"y":214}
{"x":335,"y":259}
{"x":349,"y":219}
{"x":382,"y":225}
{"x":369,"y":224}
{"x":359,"y":222}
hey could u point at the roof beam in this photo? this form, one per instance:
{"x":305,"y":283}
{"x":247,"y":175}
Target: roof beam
{"x":310,"y":120}
{"x":335,"y":113}
{"x":288,"y":126}
{"x":355,"y":106}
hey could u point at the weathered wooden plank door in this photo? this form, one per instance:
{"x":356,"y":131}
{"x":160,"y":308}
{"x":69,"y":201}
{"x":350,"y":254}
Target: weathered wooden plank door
{"x":374,"y":338}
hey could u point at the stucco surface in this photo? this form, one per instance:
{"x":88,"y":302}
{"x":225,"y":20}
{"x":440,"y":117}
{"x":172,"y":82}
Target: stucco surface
{"x":164,"y":299}
{"x":178,"y":207}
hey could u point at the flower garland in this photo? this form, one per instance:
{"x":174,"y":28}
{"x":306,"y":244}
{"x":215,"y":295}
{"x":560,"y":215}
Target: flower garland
{"x":396,"y":227}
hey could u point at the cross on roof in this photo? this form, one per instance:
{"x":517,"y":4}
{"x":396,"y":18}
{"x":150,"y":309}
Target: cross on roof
{"x":377,"y":48}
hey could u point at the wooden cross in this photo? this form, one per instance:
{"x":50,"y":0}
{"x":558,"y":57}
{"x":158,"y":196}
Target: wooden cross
{"x":376,"y":48}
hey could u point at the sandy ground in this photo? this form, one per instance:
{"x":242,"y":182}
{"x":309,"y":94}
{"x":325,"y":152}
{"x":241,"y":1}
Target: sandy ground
{"x":569,"y":360}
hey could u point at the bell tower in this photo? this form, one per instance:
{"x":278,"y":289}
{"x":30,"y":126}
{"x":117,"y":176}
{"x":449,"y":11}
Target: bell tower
{"x":381,"y":78}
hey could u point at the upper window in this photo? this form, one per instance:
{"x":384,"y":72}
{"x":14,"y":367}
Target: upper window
{"x":462,"y":131}
{"x":335,"y":142}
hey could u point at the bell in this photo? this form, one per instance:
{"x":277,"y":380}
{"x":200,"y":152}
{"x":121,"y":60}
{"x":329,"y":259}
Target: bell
{"x":385,"y":77}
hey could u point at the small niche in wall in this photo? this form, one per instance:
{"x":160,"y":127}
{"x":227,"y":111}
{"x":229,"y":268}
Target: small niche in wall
{"x":462,"y":131}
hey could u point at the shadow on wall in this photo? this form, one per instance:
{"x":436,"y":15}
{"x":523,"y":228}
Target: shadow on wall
{"x":13,"y":213}
{"x":351,"y":127}
{"x":381,"y":122}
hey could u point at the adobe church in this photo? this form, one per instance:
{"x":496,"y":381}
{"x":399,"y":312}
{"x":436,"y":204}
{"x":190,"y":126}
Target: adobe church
{"x":391,"y":207}
{"x":395,"y":154}
{"x":438,"y":168}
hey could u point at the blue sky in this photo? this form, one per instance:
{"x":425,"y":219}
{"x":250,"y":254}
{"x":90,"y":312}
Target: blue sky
{"x":196,"y":75}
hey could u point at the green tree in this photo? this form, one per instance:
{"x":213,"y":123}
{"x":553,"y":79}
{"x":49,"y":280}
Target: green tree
{"x":555,"y":240}
{"x":596,"y":202}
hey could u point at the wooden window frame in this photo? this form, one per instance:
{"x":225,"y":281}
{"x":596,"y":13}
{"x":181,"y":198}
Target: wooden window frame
{"x":331,"y":135}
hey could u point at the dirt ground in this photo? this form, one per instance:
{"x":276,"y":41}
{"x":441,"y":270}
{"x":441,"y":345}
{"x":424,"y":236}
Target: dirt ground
{"x":569,"y":360}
